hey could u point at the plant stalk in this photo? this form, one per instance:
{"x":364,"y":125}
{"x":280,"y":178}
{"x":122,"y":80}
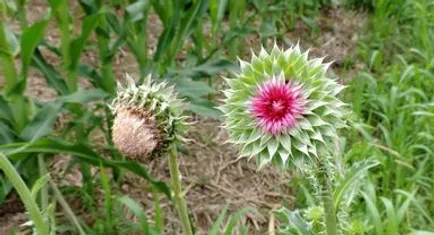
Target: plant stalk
{"x":158,"y":213}
{"x":43,"y":172}
{"x":181,"y":206}
{"x":328,"y":202}
{"x":66,"y":208}
{"x":108,"y":81}
{"x":24,"y":192}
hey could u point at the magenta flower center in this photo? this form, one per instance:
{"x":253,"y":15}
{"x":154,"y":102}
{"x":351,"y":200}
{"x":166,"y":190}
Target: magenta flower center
{"x":277,"y":106}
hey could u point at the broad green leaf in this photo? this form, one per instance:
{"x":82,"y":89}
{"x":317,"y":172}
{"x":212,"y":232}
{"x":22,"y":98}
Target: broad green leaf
{"x":29,"y":40}
{"x":293,"y":221}
{"x":207,"y":69}
{"x":5,"y":189}
{"x":11,"y":4}
{"x":204,"y":108}
{"x":83,"y":153}
{"x":84,"y":96}
{"x":54,"y":4}
{"x":136,"y":10}
{"x":191,"y":89}
{"x":5,"y":111}
{"x":42,"y":124}
{"x":7,"y":135}
{"x":186,"y":23}
{"x":52,"y":76}
{"x":168,"y":35}
{"x":91,"y":74}
{"x":77,"y":45}
{"x":90,"y":6}
{"x":165,"y":12}
{"x":14,"y":46}
{"x":352,"y":176}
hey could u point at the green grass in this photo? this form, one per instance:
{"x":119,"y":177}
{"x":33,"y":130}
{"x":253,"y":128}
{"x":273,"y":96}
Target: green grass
{"x":394,"y":97}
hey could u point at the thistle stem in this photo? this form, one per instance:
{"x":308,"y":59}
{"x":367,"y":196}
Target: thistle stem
{"x":328,"y":202}
{"x":181,"y":206}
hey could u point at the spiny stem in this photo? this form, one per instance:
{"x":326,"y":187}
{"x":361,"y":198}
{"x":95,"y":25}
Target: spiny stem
{"x":181,"y":206}
{"x":327,"y":197}
{"x":158,"y":214}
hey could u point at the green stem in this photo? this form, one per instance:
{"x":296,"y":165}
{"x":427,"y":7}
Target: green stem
{"x":43,"y":172}
{"x":330,"y":211}
{"x":108,"y":81}
{"x":6,"y":58}
{"x":24,"y":192}
{"x":63,"y":22}
{"x":158,"y":214}
{"x":66,"y":208}
{"x":328,"y":202}
{"x":22,"y":14}
{"x":176,"y":187}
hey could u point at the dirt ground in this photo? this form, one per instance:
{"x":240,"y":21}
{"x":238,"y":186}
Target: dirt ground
{"x":212,"y":175}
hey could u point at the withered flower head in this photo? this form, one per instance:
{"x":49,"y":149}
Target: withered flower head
{"x":148,"y":118}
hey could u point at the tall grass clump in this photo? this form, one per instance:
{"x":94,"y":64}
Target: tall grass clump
{"x":393,"y":97}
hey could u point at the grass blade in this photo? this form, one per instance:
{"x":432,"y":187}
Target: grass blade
{"x":374,"y":214}
{"x":25,"y":195}
{"x":351,"y":177}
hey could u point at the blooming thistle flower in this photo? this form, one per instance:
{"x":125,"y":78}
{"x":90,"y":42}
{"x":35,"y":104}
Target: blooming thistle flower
{"x":282,"y":107}
{"x":147,"y":118}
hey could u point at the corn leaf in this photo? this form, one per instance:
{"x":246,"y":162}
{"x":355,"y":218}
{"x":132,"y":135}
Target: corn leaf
{"x":82,"y":152}
{"x":42,"y":124}
{"x":77,"y":45}
{"x":29,"y":40}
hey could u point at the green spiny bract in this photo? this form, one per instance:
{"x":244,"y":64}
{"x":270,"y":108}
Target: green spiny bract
{"x":314,"y":113}
{"x":148,"y":118}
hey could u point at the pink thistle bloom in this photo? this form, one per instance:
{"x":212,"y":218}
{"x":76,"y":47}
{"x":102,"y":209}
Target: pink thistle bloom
{"x":283,"y":108}
{"x":277,"y":106}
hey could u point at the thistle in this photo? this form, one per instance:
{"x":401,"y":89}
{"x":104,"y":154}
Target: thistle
{"x":148,"y":118}
{"x":282,"y":108}
{"x":148,"y":122}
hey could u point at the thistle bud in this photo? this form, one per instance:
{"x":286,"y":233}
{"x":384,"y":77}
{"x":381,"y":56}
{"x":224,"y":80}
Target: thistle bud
{"x":147,"y":119}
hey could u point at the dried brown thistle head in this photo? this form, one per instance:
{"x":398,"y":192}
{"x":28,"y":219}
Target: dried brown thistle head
{"x":135,"y":134}
{"x":148,"y":118}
